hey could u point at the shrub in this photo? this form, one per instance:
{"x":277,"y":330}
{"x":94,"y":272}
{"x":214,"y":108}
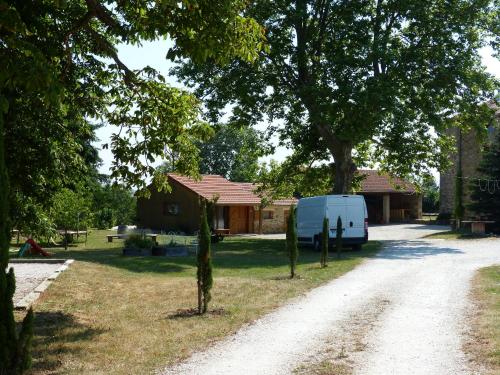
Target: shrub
{"x":291,"y":242}
{"x":138,"y":241}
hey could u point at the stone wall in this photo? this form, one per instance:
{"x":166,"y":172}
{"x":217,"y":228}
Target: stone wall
{"x":278,"y":222}
{"x":470,"y":147}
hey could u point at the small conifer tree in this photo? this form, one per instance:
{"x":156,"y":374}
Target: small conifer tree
{"x":204,"y":262}
{"x":324,"y":243}
{"x":291,"y":241}
{"x":14,"y":349}
{"x":338,"y":239}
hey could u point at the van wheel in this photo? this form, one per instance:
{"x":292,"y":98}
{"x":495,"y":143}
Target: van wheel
{"x":316,"y":244}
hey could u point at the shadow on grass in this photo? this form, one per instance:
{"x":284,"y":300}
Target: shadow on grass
{"x":241,"y":254}
{"x":55,"y":335}
{"x":235,"y":254}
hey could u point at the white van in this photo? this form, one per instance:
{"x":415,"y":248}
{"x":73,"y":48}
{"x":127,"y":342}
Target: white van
{"x":351,"y":209}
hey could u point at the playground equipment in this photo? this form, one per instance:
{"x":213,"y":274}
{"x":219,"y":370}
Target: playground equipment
{"x":33,"y":248}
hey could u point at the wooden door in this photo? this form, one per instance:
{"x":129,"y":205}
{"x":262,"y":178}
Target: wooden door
{"x":238,"y":219}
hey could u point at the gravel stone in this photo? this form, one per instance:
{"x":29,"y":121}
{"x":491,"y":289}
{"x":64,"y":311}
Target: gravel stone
{"x":379,"y":232}
{"x":424,"y":286}
{"x":30,"y":275}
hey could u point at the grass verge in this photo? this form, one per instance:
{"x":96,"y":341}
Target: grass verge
{"x":484,"y":343}
{"x":455,"y":235}
{"x":110,"y":314}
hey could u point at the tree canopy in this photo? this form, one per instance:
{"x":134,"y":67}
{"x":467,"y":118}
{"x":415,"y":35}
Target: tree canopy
{"x":61,"y":78}
{"x":61,"y":75}
{"x":61,"y":69}
{"x":233,"y":152}
{"x":358,"y":81}
{"x":287,"y":179}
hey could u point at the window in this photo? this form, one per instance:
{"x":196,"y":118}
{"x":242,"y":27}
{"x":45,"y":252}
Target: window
{"x":268,"y":215}
{"x":170,"y":209}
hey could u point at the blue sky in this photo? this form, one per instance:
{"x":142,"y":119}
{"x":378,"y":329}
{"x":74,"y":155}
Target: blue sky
{"x":153,"y":54}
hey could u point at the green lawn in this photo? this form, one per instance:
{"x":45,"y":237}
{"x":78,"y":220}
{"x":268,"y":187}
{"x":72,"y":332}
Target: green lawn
{"x":114,"y":314}
{"x":485,"y":345}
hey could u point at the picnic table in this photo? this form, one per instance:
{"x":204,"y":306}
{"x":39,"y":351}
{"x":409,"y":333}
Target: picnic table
{"x":478,"y":226}
{"x":72,"y":233}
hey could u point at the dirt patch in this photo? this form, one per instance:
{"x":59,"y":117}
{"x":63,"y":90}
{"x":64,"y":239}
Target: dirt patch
{"x":339,"y":354}
{"x":189,"y":313}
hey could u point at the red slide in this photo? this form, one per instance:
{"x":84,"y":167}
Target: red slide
{"x":37,"y":248}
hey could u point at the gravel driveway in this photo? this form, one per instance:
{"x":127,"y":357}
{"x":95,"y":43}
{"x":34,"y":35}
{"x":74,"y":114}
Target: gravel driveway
{"x":416,"y":292}
{"x":392,"y":232}
{"x":381,"y":232}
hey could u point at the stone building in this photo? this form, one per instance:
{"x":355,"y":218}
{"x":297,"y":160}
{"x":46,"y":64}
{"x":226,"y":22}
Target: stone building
{"x":274,"y":216}
{"x":389,"y":199}
{"x":469,"y":148}
{"x":237,"y":208}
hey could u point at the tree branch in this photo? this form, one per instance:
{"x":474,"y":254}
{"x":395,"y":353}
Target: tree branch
{"x":385,"y":40}
{"x":324,"y":12}
{"x":375,"y":44}
{"x":301,"y":31}
{"x":96,"y":10}
{"x":109,"y":50}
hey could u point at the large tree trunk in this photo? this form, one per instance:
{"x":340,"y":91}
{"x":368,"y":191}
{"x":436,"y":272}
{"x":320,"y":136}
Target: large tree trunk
{"x":342,"y":155}
{"x":306,"y":83}
{"x":344,"y":168}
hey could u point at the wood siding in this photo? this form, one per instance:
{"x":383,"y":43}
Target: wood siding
{"x":152,"y":212}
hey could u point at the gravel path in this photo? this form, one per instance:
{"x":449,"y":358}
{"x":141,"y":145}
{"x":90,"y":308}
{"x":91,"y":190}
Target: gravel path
{"x":420,"y":288}
{"x":403,"y":231}
{"x":379,"y":232}
{"x":30,"y":275}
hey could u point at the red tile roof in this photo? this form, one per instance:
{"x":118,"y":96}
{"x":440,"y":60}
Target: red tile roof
{"x":210,"y":186}
{"x":382,"y":183}
{"x":229,"y":193}
{"x":251,"y":187}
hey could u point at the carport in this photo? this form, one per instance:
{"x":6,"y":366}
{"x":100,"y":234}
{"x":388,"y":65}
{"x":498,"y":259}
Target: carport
{"x":388,"y":199}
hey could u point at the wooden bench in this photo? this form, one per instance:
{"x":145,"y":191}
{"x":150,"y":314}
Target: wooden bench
{"x":222,"y":232}
{"x":477,"y":226}
{"x":126,"y":235}
{"x":119,"y":236}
